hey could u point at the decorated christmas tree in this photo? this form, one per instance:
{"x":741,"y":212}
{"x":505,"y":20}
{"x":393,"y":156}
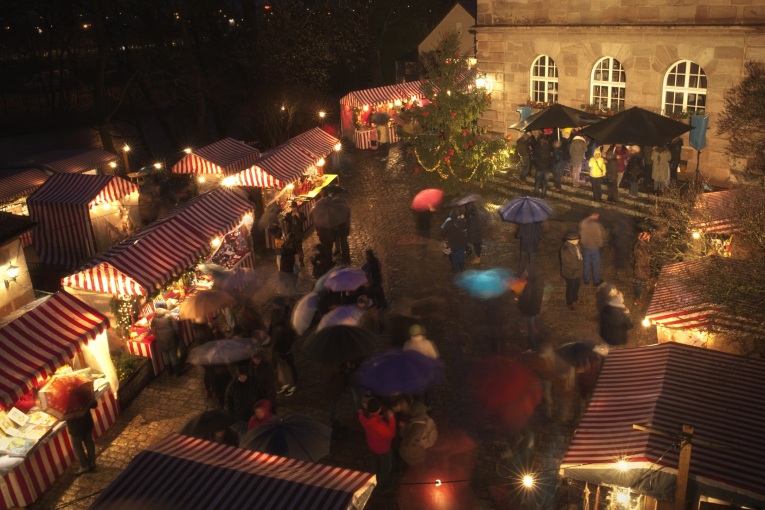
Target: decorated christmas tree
{"x":443,"y":129}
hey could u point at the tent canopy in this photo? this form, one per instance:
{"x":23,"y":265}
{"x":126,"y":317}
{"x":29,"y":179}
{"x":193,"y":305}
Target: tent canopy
{"x":384,"y":94}
{"x":316,"y":141}
{"x":42,"y":337}
{"x":161,"y":251}
{"x":717,"y":212}
{"x":61,"y":207}
{"x":72,"y":161}
{"x":189,"y":473}
{"x":668,"y":385}
{"x":21,"y":184}
{"x":278,"y":167}
{"x":226,"y":156}
{"x":681,"y":301}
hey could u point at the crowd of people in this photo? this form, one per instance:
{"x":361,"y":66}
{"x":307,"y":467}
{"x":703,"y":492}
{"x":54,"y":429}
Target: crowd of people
{"x":615,"y":166}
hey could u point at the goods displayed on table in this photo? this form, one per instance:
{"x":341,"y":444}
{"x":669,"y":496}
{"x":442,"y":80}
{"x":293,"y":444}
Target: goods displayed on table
{"x":233,"y":248}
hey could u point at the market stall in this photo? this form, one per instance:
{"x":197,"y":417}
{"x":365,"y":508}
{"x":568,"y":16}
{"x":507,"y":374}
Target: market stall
{"x":681,"y":309}
{"x":14,"y":190}
{"x":357,"y":107}
{"x":50,"y":337}
{"x":316,"y":142}
{"x":667,"y":386}
{"x":213,"y":163}
{"x":74,"y":161}
{"x":191,"y":473}
{"x":160,"y":264}
{"x":79,"y":216}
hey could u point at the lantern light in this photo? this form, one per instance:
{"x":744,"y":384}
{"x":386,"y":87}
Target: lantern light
{"x":215,"y":242}
{"x":646,"y":322}
{"x":480,"y":81}
{"x":321,"y":162}
{"x":528,"y":481}
{"x":12,"y":271}
{"x":338,"y":147}
{"x":414,"y":98}
{"x":622,"y":465}
{"x":106,"y":206}
{"x":322,"y":114}
{"x":201,"y":179}
{"x":113,"y":164}
{"x":696,"y":234}
{"x":126,"y":148}
{"x":390,"y":106}
{"x":398,"y":102}
{"x":290,"y":186}
{"x":448,"y":92}
{"x":283,"y":108}
{"x":229,"y":181}
{"x":438,"y":483}
{"x":366,"y":108}
{"x":187,"y":150}
{"x":157,"y":165}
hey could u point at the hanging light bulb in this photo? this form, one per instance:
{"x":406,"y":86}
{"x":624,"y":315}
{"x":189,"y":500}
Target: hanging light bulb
{"x":201,"y":179}
{"x":338,"y":147}
{"x":215,"y":242}
{"x":528,"y":481}
{"x":187,"y":150}
{"x":321,"y":162}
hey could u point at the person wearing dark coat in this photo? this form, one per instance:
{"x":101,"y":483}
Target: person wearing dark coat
{"x":296,"y":222}
{"x":560,"y":158}
{"x":571,"y":268}
{"x":262,"y":372}
{"x":373,"y":270}
{"x":474,"y":230}
{"x":675,"y":150}
{"x":530,"y":306}
{"x":321,"y":260}
{"x":612,"y":174}
{"x":289,"y":259}
{"x":634,"y":172}
{"x":283,"y":337}
{"x":80,"y":430}
{"x":342,"y":232}
{"x":543,"y":155}
{"x":241,"y":394}
{"x":615,"y":319}
{"x":529,"y":234}
{"x":167,"y":339}
{"x":454,"y":230}
{"x":523,"y":149}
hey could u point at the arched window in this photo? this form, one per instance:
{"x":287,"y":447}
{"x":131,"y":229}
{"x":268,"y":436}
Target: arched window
{"x":544,"y":80}
{"x":608,"y":83}
{"x":685,"y":88}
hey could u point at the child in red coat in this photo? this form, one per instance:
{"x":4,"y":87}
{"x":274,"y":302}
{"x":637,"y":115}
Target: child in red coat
{"x":380,"y":429}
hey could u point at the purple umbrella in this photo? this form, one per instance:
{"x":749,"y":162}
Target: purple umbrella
{"x":346,"y":280}
{"x":397,"y":371}
{"x":348,"y":315}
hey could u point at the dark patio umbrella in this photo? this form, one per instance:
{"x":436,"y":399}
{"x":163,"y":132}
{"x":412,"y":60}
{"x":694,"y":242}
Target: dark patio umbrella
{"x":467,"y":199}
{"x":206,"y":424}
{"x":636,"y":127}
{"x":522,"y":210}
{"x":330,"y":212}
{"x":394,"y":372}
{"x":297,"y":436}
{"x":338,"y":344}
{"x":556,"y":116}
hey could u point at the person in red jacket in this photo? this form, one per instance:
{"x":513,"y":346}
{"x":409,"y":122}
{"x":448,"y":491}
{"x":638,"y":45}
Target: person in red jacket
{"x":380,"y":429}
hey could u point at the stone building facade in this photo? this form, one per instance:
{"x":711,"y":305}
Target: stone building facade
{"x":661,"y":55}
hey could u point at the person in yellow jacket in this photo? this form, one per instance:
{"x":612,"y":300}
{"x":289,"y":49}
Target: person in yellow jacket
{"x":597,"y":174}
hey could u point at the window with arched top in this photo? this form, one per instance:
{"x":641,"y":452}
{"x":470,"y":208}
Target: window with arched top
{"x":685,"y":88}
{"x":544,"y":80}
{"x":608,"y":84}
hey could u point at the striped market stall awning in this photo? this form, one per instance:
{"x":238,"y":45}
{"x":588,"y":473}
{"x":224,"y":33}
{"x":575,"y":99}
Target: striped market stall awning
{"x":384,"y":94}
{"x":77,"y":161}
{"x":225,"y":157}
{"x":666,"y":386}
{"x":316,"y":141}
{"x":214,"y":213}
{"x":189,"y":473}
{"x":61,"y":207}
{"x":42,"y":337}
{"x":682,"y":300}
{"x":21,"y":184}
{"x":718,"y":212}
{"x":277,"y":168}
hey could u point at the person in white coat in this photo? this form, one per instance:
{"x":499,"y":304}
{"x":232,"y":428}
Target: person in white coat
{"x":418,"y":342}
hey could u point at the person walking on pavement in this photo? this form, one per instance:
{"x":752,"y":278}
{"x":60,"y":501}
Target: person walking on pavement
{"x":591,"y":237}
{"x":642,"y":270}
{"x":529,"y":234}
{"x":474,"y":230}
{"x":615,"y":319}
{"x":379,"y":428}
{"x":454,"y":230}
{"x":597,"y":173}
{"x":543,"y":155}
{"x":523,"y":149}
{"x":576,"y":150}
{"x":80,"y":430}
{"x":530,"y":306}
{"x":571,"y":267}
{"x":167,"y":338}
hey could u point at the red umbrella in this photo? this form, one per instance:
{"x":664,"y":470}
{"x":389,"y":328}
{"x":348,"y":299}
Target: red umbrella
{"x":507,"y":391}
{"x":427,"y":199}
{"x":67,"y":396}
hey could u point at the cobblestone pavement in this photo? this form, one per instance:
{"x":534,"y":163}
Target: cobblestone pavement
{"x":381,"y":192}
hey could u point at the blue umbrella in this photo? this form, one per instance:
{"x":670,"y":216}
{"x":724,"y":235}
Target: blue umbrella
{"x":523,"y":210}
{"x":297,"y":436}
{"x":394,"y":372}
{"x":484,"y":284}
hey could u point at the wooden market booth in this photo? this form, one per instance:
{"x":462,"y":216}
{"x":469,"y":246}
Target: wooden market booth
{"x":53,"y":335}
{"x":79,"y":216}
{"x":159,"y":263}
{"x":189,"y":473}
{"x":356,"y":108}
{"x":667,"y":386}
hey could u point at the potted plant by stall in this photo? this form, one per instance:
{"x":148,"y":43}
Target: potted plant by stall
{"x":134,"y":373}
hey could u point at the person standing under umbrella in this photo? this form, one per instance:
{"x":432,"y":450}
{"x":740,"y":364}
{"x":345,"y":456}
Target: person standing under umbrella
{"x":373,"y":270}
{"x":529,"y":234}
{"x":597,"y":172}
{"x":571,"y":267}
{"x":454,"y":230}
{"x":474,"y":231}
{"x":591,"y":238}
{"x":542,"y":161}
{"x":321,"y":260}
{"x":283,"y":337}
{"x":530,"y":306}
{"x":379,"y":428}
{"x":634,"y":172}
{"x":560,"y":157}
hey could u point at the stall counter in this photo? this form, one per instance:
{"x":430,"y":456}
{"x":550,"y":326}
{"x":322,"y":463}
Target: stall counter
{"x":50,"y":458}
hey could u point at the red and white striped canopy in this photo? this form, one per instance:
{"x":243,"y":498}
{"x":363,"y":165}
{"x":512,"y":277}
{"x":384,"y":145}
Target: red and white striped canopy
{"x":316,"y":141}
{"x":21,"y":184}
{"x":61,"y":207}
{"x":160,"y":252}
{"x":277,"y":168}
{"x":189,"y":473}
{"x":384,"y":94}
{"x":715,"y":213}
{"x":74,"y":161}
{"x":42,"y":337}
{"x":668,"y":385}
{"x":225,"y":157}
{"x":681,"y":299}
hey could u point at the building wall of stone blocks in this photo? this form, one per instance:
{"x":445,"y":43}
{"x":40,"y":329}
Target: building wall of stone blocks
{"x":506,"y":53}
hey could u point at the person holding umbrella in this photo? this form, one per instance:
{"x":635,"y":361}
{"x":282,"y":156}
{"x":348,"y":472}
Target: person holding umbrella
{"x":529,"y":234}
{"x":474,"y":231}
{"x":542,"y":160}
{"x":379,"y":428}
{"x":454,"y":230}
